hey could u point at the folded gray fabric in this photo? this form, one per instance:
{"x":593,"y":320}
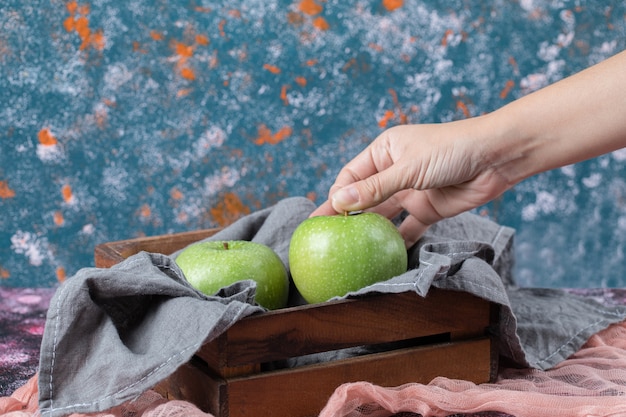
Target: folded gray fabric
{"x":113,"y":333}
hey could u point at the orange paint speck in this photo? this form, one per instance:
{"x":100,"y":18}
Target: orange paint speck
{"x":176,"y":194}
{"x":282,"y":134}
{"x":182,"y":217}
{"x":101,"y":117}
{"x":351,"y":62}
{"x":69,"y":24}
{"x":221,"y":26}
{"x":188,"y":74}
{"x":392,"y":5}
{"x":446,"y":36}
{"x":507,"y":88}
{"x":71,"y":6}
{"x":310,"y":7}
{"x":5,"y":191}
{"x":463,"y":107}
{"x":58,"y":218}
{"x":228,"y":210}
{"x":81,"y":25}
{"x":46,"y":137}
{"x":513,"y":64}
{"x":389,"y":114}
{"x":301,"y":81}
{"x":4,"y":273}
{"x":283,"y":94}
{"x":61,"y":275}
{"x":183,"y":92}
{"x":295,"y":19}
{"x":311,"y":195}
{"x":321,"y":23}
{"x":183,"y":50}
{"x":98,"y":41}
{"x":396,"y":102}
{"x":183,"y":53}
{"x":235,"y":13}
{"x":202,"y":40}
{"x":66,"y":192}
{"x":271,"y":68}
{"x":145,"y":211}
{"x":79,"y":22}
{"x":83,"y":9}
{"x":265,"y":136}
{"x":311,"y":62}
{"x":376,"y":47}
{"x":157,"y":36}
{"x":137,"y":48}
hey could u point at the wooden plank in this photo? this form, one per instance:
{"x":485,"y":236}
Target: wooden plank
{"x":303,"y":392}
{"x":382,"y":318}
{"x":111,"y":253}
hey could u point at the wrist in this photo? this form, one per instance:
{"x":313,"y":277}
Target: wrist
{"x":512,"y":148}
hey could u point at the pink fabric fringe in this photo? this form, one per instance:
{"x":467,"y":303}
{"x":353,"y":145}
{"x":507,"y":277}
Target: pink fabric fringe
{"x":590,"y":383}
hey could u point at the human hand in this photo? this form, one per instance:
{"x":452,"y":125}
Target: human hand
{"x":432,"y":171}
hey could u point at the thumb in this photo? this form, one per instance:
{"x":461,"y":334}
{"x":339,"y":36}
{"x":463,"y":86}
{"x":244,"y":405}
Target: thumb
{"x":368,"y":192}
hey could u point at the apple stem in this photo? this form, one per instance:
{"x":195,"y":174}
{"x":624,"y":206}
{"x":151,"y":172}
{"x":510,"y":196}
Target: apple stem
{"x":345,"y":213}
{"x":225,"y":245}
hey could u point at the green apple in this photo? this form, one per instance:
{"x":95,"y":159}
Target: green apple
{"x":209,"y":266}
{"x":330,"y":256}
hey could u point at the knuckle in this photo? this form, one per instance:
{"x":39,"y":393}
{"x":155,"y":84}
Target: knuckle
{"x":374,"y":188}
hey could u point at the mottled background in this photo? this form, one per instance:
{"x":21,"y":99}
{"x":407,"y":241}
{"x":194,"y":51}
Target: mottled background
{"x":144,"y":117}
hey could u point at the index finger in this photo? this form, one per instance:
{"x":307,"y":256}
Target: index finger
{"x":360,"y":167}
{"x":325,"y":209}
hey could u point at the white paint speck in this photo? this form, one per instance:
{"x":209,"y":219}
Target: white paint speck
{"x":88,"y":229}
{"x":569,"y":170}
{"x":592,"y":180}
{"x":34,"y":247}
{"x":50,"y":153}
{"x":619,"y":155}
{"x":545,"y":203}
{"x":211,"y":138}
{"x":115,"y":182}
{"x":116,"y":76}
{"x":227,"y":178}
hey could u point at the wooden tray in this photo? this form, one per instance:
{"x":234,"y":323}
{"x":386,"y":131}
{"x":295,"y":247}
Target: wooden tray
{"x":416,"y":339}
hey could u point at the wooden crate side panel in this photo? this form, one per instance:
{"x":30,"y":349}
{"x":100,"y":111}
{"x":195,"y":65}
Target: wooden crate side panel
{"x":111,"y":253}
{"x":288,"y":333}
{"x":303,"y":392}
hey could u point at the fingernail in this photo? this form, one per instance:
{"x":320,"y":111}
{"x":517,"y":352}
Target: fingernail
{"x":345,"y":198}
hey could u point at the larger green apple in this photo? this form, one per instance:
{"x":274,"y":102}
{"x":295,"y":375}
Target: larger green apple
{"x":330,"y":256}
{"x":209,"y":266}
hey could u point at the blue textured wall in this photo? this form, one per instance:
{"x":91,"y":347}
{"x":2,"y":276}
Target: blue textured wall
{"x":143,"y":117}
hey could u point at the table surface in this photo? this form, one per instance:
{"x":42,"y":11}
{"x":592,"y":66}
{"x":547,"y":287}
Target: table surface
{"x":22,"y":320}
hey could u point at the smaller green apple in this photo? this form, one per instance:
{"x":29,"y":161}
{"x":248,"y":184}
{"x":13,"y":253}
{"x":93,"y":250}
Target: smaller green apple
{"x":209,"y":266}
{"x":330,"y":256}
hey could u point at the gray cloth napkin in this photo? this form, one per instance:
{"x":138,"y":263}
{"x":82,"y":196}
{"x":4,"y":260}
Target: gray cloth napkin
{"x":111,"y":334}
